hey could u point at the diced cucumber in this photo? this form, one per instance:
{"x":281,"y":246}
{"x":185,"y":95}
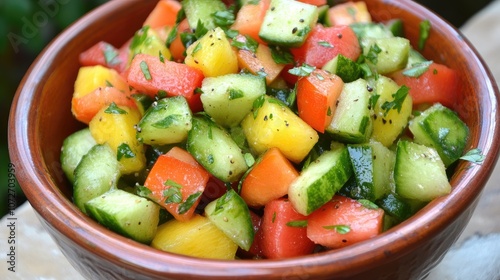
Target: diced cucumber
{"x":229,"y":98}
{"x":142,"y":101}
{"x":147,"y":41}
{"x":386,"y":55}
{"x":288,"y":22}
{"x":202,"y":11}
{"x":73,"y":149}
{"x":317,"y":184}
{"x":419,"y":172}
{"x":126,"y":213}
{"x":373,"y":165}
{"x":442,"y":129}
{"x":167,"y":121}
{"x":352,"y":122}
{"x":213,"y":147}
{"x":97,"y":173}
{"x":395,"y":206}
{"x":343,"y":67}
{"x":231,"y":215}
{"x":396,"y":27}
{"x":371,"y":30}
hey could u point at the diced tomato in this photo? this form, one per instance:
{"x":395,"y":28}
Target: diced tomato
{"x":177,"y":48}
{"x":149,"y":75}
{"x":175,"y":179}
{"x":281,"y":237}
{"x":86,"y":107}
{"x":324,"y":43}
{"x":343,"y":221}
{"x":103,"y":54}
{"x":249,"y":19}
{"x":348,"y":13}
{"x":438,"y":84}
{"x":257,"y":190}
{"x":317,"y":95}
{"x":164,"y":14}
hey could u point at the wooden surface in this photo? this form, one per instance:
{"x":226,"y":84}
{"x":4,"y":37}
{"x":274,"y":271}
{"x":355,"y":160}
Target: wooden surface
{"x":476,"y":255}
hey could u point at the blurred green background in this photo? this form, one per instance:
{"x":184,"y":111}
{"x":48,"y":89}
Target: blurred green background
{"x":17,"y":52}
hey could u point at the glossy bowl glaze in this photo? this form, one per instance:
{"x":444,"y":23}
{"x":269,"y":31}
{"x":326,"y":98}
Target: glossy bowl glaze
{"x":41,"y":118}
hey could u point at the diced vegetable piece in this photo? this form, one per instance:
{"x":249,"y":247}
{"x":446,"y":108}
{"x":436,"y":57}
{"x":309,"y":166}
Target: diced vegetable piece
{"x":168,"y":121}
{"x":125,"y":213}
{"x":97,"y":173}
{"x":74,"y":147}
{"x":260,"y":62}
{"x":115,"y":125}
{"x":147,"y":41}
{"x":147,"y":74}
{"x":318,"y":183}
{"x":91,"y":78}
{"x":351,"y":121}
{"x":176,"y":183}
{"x":324,"y":43}
{"x":213,"y":147}
{"x":373,"y":166}
{"x":84,"y":108}
{"x":106,"y":55}
{"x":202,"y":11}
{"x":419,"y":172}
{"x":198,"y":237}
{"x":177,"y":48}
{"x":344,"y":221}
{"x":142,"y":101}
{"x":249,"y":19}
{"x":164,"y":14}
{"x":231,"y":215}
{"x":212,"y":54}
{"x":391,"y":112}
{"x":441,"y":128}
{"x":348,"y":13}
{"x":343,"y":67}
{"x":280,"y":28}
{"x":317,"y":95}
{"x":374,"y":30}
{"x":229,"y":98}
{"x":386,"y":55}
{"x":395,"y":206}
{"x":273,"y":124}
{"x":257,"y":189}
{"x":284,"y":232}
{"x":437,"y":84}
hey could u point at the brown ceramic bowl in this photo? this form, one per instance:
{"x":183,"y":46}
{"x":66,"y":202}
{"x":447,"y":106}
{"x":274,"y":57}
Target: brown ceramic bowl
{"x":40,"y":119}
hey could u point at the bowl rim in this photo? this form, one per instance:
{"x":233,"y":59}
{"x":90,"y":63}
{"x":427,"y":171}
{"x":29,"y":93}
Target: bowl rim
{"x":63,"y":216}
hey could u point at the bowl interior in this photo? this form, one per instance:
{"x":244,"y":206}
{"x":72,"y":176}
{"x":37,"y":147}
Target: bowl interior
{"x":41,"y":119}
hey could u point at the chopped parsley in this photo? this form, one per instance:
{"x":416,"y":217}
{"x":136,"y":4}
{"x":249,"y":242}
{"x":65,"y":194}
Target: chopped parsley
{"x":281,"y":55}
{"x":173,"y":193}
{"x":300,"y":223}
{"x":325,"y":44}
{"x":397,"y":103}
{"x":188,"y":203}
{"x":341,"y":229}
{"x":145,"y":70}
{"x":196,"y":48}
{"x":200,"y":29}
{"x":124,"y":151}
{"x":372,"y":54}
{"x":162,"y":58}
{"x":167,"y":121}
{"x":139,"y":37}
{"x":304,"y":31}
{"x":368,"y":204}
{"x":143,"y":191}
{"x":474,"y":156}
{"x":111,"y":55}
{"x":259,"y":102}
{"x":417,"y":69}
{"x":302,"y":71}
{"x":248,"y":44}
{"x":235,"y":93}
{"x":114,"y":109}
{"x":224,"y":19}
{"x":425,"y":28}
{"x":171,"y":36}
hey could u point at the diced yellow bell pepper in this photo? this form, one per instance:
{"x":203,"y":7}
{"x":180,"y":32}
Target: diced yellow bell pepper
{"x":115,"y":125}
{"x":212,"y":54}
{"x":275,"y":125}
{"x":92,"y":77}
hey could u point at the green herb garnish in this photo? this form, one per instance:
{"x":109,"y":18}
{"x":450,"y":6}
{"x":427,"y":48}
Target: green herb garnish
{"x":124,"y":151}
{"x":145,"y":70}
{"x":281,"y":55}
{"x":425,"y":28}
{"x":167,"y":121}
{"x":342,"y":229}
{"x":475,"y":156}
{"x":397,"y":103}
{"x":417,"y":69}
{"x":186,"y":205}
{"x":114,"y":109}
{"x":301,"y":223}
{"x":302,"y":71}
{"x":248,"y":44}
{"x":235,"y":93}
{"x":368,"y":204}
{"x":325,"y":44}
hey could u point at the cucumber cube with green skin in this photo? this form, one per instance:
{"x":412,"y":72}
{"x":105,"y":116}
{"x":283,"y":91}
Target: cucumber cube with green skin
{"x":213,"y":147}
{"x":386,"y":55}
{"x":288,"y":22}
{"x":202,"y":11}
{"x":371,"y":30}
{"x":346,"y":69}
{"x":352,"y":122}
{"x":126,"y":213}
{"x":167,"y":121}
{"x":373,"y":166}
{"x":318,"y":183}
{"x":419,"y":172}
{"x":441,"y":128}
{"x":73,"y":149}
{"x":97,"y":173}
{"x":231,"y":215}
{"x":229,"y":98}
